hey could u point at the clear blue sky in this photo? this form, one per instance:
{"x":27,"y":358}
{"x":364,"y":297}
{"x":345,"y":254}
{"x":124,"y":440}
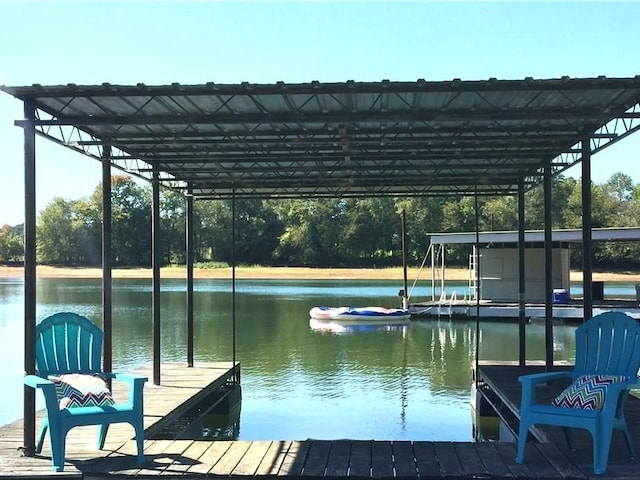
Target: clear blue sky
{"x":60,"y":42}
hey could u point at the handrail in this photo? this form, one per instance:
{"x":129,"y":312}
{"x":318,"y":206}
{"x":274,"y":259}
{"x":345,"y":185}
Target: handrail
{"x":443,"y":301}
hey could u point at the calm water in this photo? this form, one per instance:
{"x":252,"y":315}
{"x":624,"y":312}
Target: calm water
{"x":400,"y":383}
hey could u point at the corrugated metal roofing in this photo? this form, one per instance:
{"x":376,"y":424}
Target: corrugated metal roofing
{"x":340,"y":139}
{"x":535,"y":236}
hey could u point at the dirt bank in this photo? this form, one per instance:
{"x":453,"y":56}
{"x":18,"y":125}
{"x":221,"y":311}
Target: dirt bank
{"x":462,"y":274}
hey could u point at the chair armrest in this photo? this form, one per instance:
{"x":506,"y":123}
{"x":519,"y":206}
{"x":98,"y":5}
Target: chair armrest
{"x":48,"y":390}
{"x":35,"y":381}
{"x":129,"y":377}
{"x":544,"y":377}
{"x":136,"y":385}
{"x":528,"y":386}
{"x":624,"y":386}
{"x":613,"y":399}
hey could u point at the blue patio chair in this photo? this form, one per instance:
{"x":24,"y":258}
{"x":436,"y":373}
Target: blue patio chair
{"x":69,"y":373}
{"x":606,"y":367}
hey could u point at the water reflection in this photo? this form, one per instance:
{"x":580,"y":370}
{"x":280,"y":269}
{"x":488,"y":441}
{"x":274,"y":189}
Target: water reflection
{"x":339,"y":327}
{"x":403,"y":382}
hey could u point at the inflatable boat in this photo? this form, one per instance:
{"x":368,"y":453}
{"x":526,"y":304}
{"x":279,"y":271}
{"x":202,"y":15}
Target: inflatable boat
{"x":359,"y":313}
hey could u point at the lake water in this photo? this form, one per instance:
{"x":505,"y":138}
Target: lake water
{"x":401,"y":383}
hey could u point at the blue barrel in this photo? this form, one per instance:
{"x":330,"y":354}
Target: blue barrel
{"x":560,"y":296}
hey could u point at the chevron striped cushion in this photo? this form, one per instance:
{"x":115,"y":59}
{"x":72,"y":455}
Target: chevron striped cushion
{"x":79,"y":390}
{"x":587,"y":392}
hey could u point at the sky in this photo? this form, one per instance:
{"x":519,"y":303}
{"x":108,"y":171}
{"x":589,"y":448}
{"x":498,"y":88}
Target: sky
{"x":155,"y":43}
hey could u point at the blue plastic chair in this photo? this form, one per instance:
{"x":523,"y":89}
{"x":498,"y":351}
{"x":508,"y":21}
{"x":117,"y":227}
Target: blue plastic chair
{"x":607,"y":344}
{"x":69,"y":343}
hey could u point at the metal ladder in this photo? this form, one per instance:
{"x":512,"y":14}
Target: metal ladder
{"x":473,"y":280}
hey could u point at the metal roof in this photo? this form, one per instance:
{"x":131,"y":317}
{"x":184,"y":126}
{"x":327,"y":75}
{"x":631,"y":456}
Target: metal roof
{"x":536,"y":236}
{"x":340,"y":139}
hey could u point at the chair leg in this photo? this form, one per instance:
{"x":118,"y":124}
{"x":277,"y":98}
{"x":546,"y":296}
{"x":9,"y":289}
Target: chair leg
{"x":102,"y":435}
{"x":57,"y":452}
{"x":568,"y":435}
{"x":43,"y":431}
{"x":620,"y":423}
{"x":139,"y":428}
{"x":522,"y":440}
{"x":627,"y":438}
{"x":601,"y":444}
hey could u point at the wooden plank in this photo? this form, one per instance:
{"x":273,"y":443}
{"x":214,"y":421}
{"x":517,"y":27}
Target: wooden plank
{"x":404,"y":464}
{"x":471,"y":461}
{"x":113,"y":461}
{"x":210,"y":457}
{"x":270,"y":464}
{"x":317,"y":458}
{"x":507,"y":452}
{"x":338,"y":461}
{"x":565,"y":467}
{"x":152,"y":449}
{"x":189,"y":457}
{"x":448,"y":458}
{"x":539,"y":463}
{"x":248,"y":465}
{"x":381,"y":459}
{"x":231,"y":458}
{"x":158,"y":458}
{"x":360,"y":459}
{"x":492,"y":459}
{"x":122,"y":460}
{"x":293,"y":462}
{"x":426,"y":460}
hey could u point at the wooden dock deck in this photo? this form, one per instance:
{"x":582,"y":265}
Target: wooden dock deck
{"x":180,"y":390}
{"x":334,"y":459}
{"x":502,"y":389}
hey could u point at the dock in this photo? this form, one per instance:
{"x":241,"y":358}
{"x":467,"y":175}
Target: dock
{"x":464,"y":309}
{"x":182,"y":387}
{"x":500,"y":387}
{"x":181,"y":390}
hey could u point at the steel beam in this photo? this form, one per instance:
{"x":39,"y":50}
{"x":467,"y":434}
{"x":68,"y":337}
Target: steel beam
{"x":587,"y":255}
{"x":157,"y":262}
{"x":107,"y":283}
{"x":29,"y":406}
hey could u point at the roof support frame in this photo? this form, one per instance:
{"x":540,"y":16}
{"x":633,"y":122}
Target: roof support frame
{"x":98,"y":120}
{"x":428,"y":117}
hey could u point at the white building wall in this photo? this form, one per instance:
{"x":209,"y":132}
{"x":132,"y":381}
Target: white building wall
{"x":499,"y":273}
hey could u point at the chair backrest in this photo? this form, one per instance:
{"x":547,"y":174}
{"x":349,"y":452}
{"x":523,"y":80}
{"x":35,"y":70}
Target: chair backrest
{"x":68,"y":343}
{"x":608,"y":343}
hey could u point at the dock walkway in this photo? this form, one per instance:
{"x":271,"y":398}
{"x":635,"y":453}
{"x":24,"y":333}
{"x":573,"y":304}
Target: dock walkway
{"x":501,"y":388}
{"x":334,"y":459}
{"x":181,"y":389}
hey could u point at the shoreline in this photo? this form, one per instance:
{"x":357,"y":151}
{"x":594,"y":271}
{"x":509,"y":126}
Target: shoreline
{"x":285,"y":273}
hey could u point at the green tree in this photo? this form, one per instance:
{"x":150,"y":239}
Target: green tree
{"x":213,"y":220}
{"x":56,"y":241}
{"x":257,"y":229}
{"x":561,"y":189}
{"x":11,"y":244}
{"x":312,"y":230}
{"x":424,"y":216}
{"x":371,"y":233}
{"x":501,"y":213}
{"x":172,"y":226}
{"x":131,"y":221}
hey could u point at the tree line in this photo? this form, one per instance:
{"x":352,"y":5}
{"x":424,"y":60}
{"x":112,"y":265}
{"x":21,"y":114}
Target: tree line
{"x":355,"y":232}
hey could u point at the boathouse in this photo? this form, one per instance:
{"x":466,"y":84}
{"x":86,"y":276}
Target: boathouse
{"x":495,"y":262}
{"x":344,"y":139}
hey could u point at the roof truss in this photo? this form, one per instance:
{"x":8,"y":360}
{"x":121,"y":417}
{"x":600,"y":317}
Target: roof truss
{"x":340,"y":139}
